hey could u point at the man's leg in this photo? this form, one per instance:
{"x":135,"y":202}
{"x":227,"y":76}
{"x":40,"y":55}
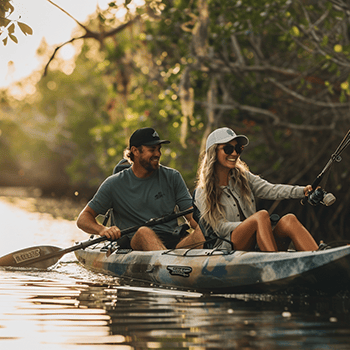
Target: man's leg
{"x":193,"y":240}
{"x":146,"y":239}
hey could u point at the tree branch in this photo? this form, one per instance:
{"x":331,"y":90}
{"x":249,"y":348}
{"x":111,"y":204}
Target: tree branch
{"x":68,"y":14}
{"x":305,"y":99}
{"x":260,"y":111}
{"x":99,"y":36}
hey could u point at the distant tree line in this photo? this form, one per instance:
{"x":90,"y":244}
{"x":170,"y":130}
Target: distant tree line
{"x":277,"y":71}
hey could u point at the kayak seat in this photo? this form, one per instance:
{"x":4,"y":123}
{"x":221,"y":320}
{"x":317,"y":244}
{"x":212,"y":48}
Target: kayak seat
{"x":123,"y":164}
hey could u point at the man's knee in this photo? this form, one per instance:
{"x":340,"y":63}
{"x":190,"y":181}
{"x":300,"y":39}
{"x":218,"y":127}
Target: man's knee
{"x":143,"y":231}
{"x":142,"y":234}
{"x":146,"y":239}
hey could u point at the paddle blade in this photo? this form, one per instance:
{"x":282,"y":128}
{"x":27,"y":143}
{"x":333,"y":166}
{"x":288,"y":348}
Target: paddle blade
{"x":39,"y":257}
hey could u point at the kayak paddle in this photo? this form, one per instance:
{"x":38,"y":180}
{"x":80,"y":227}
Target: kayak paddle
{"x":43,"y":257}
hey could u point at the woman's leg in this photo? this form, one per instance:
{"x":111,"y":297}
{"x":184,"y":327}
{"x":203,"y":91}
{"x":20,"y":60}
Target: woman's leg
{"x":290,"y":228}
{"x":256,"y":228}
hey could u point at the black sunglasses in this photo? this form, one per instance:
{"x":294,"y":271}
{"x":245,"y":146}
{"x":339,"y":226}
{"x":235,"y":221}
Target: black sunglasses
{"x":228,"y":149}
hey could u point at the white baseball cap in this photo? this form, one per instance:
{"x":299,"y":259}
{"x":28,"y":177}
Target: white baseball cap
{"x":224,"y":135}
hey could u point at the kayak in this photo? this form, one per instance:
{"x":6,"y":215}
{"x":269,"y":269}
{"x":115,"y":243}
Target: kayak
{"x":222,"y":271}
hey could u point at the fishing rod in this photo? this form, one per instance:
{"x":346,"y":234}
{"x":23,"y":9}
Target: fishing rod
{"x":317,"y":194}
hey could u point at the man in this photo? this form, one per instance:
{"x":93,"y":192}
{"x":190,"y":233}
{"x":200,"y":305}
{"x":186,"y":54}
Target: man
{"x":143,"y":191}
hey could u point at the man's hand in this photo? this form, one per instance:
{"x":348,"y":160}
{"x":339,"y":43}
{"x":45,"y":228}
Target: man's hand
{"x":112,"y":233}
{"x":87,"y":222}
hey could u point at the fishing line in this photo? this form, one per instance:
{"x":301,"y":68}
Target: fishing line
{"x":335,"y":157}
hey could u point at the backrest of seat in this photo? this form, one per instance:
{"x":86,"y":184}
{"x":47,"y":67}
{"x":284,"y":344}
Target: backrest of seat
{"x":123,"y":164}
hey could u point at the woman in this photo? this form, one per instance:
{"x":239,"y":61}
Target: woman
{"x":225,"y":197}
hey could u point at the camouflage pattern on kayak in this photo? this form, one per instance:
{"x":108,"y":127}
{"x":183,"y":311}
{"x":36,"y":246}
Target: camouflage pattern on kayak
{"x":220,"y":271}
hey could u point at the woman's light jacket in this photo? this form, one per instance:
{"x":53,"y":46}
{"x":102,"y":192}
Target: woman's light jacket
{"x":259,"y":189}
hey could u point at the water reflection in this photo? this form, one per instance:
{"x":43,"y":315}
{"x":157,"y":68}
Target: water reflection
{"x":68,"y":307}
{"x":47,"y":312}
{"x":151,"y":318}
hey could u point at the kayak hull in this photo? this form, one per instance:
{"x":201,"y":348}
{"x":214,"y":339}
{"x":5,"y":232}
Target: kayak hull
{"x":215,"y":271}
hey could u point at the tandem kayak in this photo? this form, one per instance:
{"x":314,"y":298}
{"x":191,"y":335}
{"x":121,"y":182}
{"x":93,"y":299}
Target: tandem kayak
{"x":221,"y":271}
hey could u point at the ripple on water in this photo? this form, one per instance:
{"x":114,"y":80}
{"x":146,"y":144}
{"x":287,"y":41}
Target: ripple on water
{"x":43,"y":311}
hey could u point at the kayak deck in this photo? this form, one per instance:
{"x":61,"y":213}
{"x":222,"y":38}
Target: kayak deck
{"x":221,"y":271}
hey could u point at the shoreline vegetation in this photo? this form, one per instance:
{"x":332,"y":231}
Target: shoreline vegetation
{"x":31,"y":200}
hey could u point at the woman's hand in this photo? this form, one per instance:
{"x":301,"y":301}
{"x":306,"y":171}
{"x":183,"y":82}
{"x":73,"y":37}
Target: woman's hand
{"x":307,"y":190}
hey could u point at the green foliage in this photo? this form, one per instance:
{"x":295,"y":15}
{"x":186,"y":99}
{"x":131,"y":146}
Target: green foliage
{"x":276,"y":70}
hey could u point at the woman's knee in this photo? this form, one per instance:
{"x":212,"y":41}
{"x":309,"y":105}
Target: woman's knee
{"x":287,"y":225}
{"x":258,"y":219}
{"x":288,"y":219}
{"x":262,"y":214}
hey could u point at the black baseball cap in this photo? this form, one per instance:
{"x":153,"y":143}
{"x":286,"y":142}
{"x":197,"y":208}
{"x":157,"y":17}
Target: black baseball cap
{"x":146,"y":137}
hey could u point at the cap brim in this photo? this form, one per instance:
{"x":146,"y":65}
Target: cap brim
{"x":243,"y":140}
{"x":157,"y":142}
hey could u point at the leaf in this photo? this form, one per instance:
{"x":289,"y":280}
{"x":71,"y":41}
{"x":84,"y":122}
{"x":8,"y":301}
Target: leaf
{"x":295,"y":31}
{"x":9,"y":7}
{"x":13,"y":38}
{"x":11,"y":28}
{"x":4,"y":22}
{"x":25,"y":28}
{"x":344,"y":85}
{"x":5,"y":41}
{"x":338,"y":48}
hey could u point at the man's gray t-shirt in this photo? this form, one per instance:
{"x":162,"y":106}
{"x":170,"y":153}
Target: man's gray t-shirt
{"x":136,"y":200}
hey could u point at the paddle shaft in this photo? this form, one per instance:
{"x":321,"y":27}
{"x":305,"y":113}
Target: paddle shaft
{"x":84,"y":244}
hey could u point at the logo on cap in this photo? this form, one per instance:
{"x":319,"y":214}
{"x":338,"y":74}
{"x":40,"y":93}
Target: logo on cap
{"x":145,"y":136}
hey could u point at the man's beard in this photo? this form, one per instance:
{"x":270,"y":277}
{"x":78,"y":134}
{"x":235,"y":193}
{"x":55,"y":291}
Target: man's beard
{"x":147,"y":165}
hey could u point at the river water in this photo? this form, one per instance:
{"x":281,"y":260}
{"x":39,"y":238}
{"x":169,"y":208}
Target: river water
{"x":68,"y":307}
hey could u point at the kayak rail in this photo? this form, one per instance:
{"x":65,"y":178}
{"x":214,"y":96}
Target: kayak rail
{"x":198,"y":252}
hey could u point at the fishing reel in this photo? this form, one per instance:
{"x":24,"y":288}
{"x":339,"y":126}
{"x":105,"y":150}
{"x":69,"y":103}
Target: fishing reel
{"x":321,"y":196}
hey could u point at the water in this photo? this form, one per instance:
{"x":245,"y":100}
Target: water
{"x":68,"y":307}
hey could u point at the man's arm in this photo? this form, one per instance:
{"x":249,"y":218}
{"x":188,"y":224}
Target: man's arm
{"x":87,"y":222}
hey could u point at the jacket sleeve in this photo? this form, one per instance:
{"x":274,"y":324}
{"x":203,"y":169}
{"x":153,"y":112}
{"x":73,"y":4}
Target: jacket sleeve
{"x":263,"y":189}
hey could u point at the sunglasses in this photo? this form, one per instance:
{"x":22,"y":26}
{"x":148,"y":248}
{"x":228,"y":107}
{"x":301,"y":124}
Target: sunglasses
{"x":228,"y":149}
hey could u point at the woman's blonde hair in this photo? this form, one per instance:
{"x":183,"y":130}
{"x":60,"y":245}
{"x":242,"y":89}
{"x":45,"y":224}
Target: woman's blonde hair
{"x":208,"y":181}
